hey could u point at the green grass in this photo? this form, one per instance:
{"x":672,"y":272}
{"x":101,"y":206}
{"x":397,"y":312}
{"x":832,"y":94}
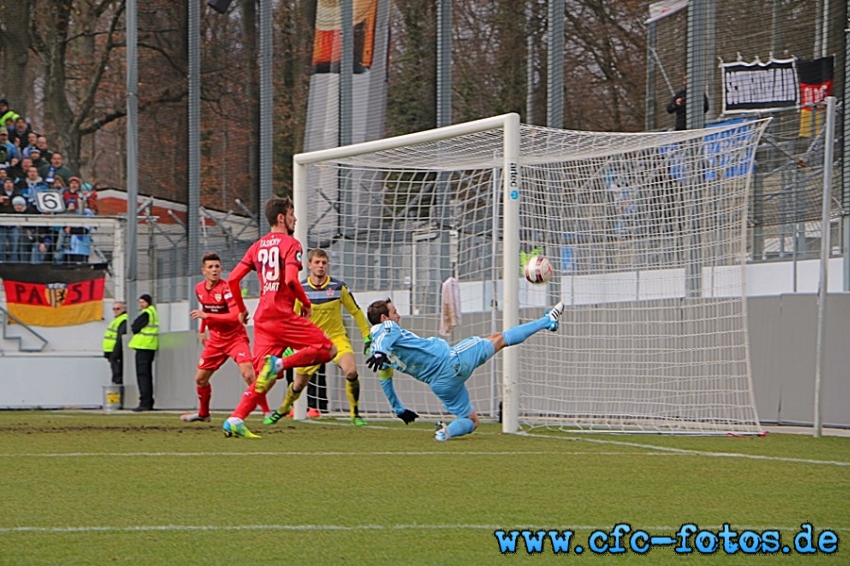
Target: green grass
{"x":87,"y":488}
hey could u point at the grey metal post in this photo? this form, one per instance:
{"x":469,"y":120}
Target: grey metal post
{"x":710,"y":28}
{"x":266,"y":105}
{"x":444,"y":63}
{"x":194,"y":137}
{"x":845,"y":201}
{"x":828,"y":153}
{"x":776,"y":28}
{"x":444,"y":118}
{"x":345,"y":102}
{"x":695,"y":119}
{"x":555,"y":65}
{"x":529,"y":67}
{"x":651,"y":40}
{"x":346,"y":72}
{"x":697,"y":34}
{"x":119,"y":267}
{"x":132,"y":157}
{"x":758,"y":217}
{"x":824,"y":42}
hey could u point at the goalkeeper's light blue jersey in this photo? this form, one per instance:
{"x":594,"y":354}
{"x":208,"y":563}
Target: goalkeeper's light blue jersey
{"x":421,"y":358}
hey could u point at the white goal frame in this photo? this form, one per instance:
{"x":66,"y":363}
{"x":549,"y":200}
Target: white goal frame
{"x":509,"y":124}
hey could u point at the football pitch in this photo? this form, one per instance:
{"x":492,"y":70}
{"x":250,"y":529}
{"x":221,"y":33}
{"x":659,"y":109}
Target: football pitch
{"x":92,"y":488}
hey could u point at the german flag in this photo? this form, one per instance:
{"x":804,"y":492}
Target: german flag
{"x":815,"y":85}
{"x":54,"y":295}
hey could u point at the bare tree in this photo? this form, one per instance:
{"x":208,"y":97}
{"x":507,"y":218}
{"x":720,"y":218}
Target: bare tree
{"x":69,"y":97}
{"x":411,"y":94}
{"x":293,"y":67}
{"x":604,"y":62}
{"x":15,"y":43}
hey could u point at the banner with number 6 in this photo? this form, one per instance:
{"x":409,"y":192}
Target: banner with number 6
{"x":50,"y":202}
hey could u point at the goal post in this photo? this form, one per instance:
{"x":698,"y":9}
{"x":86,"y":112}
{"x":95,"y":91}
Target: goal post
{"x":646,"y":235}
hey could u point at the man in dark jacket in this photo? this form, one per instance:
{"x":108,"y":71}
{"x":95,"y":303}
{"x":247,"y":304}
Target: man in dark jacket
{"x":677,"y":105}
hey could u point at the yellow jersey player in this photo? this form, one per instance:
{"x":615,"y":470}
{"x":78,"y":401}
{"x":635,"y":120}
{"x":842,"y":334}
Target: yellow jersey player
{"x":328,"y":295}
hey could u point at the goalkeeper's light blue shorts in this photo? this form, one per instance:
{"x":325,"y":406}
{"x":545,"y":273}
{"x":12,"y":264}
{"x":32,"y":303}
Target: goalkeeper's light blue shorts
{"x":450,"y":385}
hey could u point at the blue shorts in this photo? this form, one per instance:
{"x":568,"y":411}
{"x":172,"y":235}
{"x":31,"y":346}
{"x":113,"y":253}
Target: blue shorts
{"x":450,"y":385}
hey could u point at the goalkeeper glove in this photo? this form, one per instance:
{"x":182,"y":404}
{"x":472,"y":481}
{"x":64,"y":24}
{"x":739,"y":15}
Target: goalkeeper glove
{"x":376,"y":361}
{"x":407,"y":416}
{"x":367,"y":343}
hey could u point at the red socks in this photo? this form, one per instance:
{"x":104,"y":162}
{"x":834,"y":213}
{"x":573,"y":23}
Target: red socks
{"x":204,"y":396}
{"x":248,"y":403}
{"x":264,"y":404}
{"x":312,"y":356}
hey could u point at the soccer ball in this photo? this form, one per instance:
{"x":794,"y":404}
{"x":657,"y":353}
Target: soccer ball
{"x":538,"y":269}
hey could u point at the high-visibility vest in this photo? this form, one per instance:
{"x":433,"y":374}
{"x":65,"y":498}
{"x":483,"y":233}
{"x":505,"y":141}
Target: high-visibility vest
{"x":110,"y":337}
{"x":9,"y":115}
{"x":147,"y":339}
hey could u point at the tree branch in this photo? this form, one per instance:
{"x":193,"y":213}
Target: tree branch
{"x":104,"y":4}
{"x":165,"y":55}
{"x":118,"y":114}
{"x":88,"y":99}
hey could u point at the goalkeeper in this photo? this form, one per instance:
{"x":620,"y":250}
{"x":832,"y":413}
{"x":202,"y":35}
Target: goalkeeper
{"x":328,"y":296}
{"x":444,"y":368}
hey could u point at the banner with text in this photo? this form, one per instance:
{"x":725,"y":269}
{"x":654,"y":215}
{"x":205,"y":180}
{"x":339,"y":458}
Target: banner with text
{"x":751,"y":87}
{"x":54,"y":295}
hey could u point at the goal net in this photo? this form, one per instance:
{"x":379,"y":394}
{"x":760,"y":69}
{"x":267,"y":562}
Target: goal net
{"x":645,"y":232}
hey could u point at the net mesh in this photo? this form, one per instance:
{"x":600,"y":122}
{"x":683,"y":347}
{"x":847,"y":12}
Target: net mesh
{"x":646,"y":235}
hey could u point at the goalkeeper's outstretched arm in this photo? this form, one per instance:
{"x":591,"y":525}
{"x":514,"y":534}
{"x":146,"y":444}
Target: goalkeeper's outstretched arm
{"x":400,"y":410}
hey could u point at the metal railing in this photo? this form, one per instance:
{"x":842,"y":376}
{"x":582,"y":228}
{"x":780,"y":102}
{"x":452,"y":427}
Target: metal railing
{"x":20,"y":339}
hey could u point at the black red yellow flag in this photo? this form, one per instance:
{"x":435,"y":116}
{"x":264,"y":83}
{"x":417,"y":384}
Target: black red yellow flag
{"x":54,"y":295}
{"x":816,"y":79}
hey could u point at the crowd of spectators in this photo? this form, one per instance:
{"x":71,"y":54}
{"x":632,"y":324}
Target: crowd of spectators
{"x":35,"y":180}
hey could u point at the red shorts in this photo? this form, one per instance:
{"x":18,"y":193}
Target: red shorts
{"x":216,"y":352}
{"x":296,"y":333}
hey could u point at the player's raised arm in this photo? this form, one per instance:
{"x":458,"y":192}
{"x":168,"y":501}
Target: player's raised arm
{"x":399,"y":409}
{"x":359,"y":317}
{"x":291,"y":280}
{"x":239,"y":272}
{"x":231,"y":316}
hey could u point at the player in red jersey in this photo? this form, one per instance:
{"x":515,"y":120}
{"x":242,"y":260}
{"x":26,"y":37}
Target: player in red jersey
{"x":276,"y":257}
{"x":228,"y":338}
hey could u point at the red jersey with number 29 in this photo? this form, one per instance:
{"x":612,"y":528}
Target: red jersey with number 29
{"x":269,"y":257}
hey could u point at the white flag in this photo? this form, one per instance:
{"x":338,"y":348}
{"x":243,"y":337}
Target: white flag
{"x":665,"y":8}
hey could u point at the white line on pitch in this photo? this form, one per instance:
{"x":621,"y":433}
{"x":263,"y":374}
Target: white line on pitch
{"x":688,"y":452}
{"x":408,"y":453}
{"x":657,"y":451}
{"x":312,"y":528}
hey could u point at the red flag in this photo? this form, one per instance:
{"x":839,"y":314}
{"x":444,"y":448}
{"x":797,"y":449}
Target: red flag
{"x":54,"y":295}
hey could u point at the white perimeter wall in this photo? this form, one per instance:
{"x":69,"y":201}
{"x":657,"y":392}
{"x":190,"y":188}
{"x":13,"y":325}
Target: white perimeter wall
{"x":71,"y":372}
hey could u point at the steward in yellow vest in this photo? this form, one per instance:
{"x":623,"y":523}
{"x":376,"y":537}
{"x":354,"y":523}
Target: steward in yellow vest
{"x":116,"y":328}
{"x":145,"y":342}
{"x":146,"y":330}
{"x":112,"y":346}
